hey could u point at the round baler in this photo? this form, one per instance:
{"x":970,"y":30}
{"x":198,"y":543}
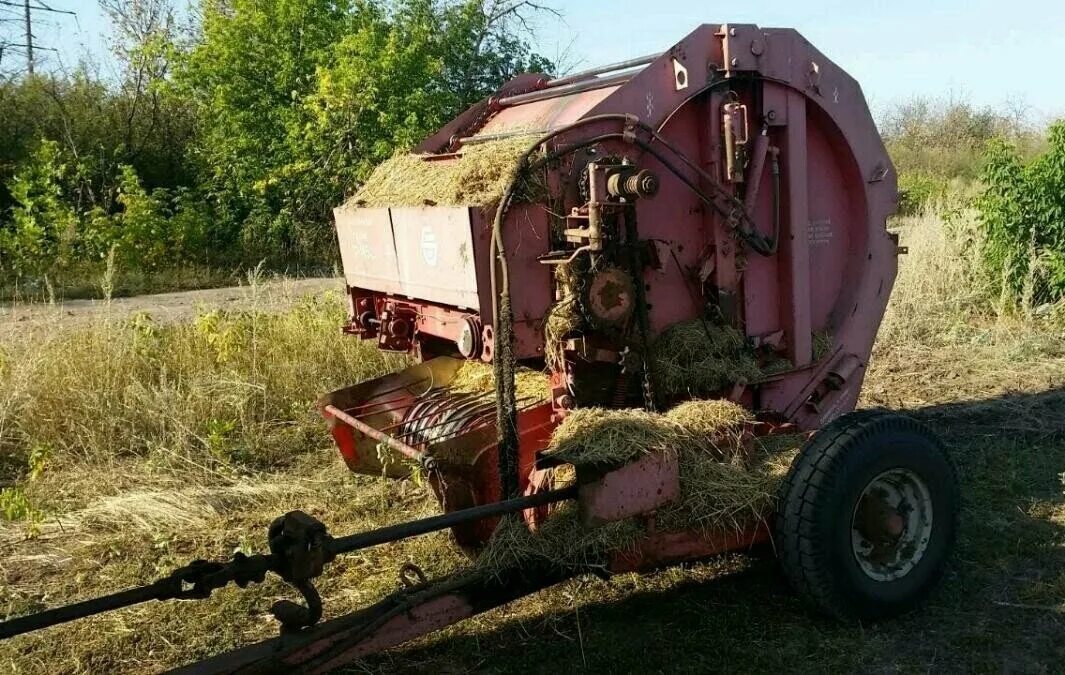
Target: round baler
{"x":735,"y":186}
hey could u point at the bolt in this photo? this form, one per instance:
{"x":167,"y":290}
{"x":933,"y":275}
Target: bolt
{"x":735,"y":62}
{"x":772,"y":115}
{"x":732,"y":32}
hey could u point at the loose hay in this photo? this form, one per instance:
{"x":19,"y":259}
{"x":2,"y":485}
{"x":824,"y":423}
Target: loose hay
{"x":561,"y":543}
{"x":718,"y":495}
{"x":712,"y":426}
{"x":700,"y":358}
{"x":722,"y":487}
{"x":476,"y":377}
{"x":598,"y":436}
{"x":478,"y":177}
{"x":564,"y":317}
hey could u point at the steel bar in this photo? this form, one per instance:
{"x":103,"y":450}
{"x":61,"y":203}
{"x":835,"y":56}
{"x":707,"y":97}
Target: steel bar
{"x":172,"y":586}
{"x":600,"y":70}
{"x":488,"y":138}
{"x":565,"y":90}
{"x":416,"y":528}
{"x":380,"y":437}
{"x":51,"y":617}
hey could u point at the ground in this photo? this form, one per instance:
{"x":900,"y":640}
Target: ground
{"x":163,"y":306}
{"x":1001,"y":607}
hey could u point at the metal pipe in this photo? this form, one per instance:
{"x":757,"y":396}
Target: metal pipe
{"x":565,"y":90}
{"x":600,"y":70}
{"x":399,"y":446}
{"x":58,"y":615}
{"x":488,"y":138}
{"x":416,"y":528}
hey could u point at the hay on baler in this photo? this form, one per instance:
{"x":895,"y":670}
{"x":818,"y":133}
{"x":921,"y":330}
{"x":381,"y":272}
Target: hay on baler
{"x":477,"y":377}
{"x":561,"y":543}
{"x":699,"y":358}
{"x":477,"y":177}
{"x":722,"y":487}
{"x":721,"y":495}
{"x":564,"y":317}
{"x":713,"y":426}
{"x":603,"y":437}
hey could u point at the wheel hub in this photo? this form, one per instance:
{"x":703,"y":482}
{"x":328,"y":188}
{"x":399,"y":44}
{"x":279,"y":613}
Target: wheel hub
{"x":891,"y":525}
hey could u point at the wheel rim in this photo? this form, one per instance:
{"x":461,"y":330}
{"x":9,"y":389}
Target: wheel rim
{"x":892,"y":525}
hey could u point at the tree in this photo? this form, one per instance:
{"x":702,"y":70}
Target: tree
{"x":299,"y":100}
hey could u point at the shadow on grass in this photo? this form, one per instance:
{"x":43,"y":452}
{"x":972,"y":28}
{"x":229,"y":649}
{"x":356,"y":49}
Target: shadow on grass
{"x":1001,"y":608}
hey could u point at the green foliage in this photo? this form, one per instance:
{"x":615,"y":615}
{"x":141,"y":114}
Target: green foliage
{"x":916,"y":190}
{"x":46,"y":233}
{"x":1022,"y":210}
{"x":42,"y":226}
{"x":938,"y":148}
{"x":298,"y":101}
{"x":16,"y":506}
{"x":231,"y":143}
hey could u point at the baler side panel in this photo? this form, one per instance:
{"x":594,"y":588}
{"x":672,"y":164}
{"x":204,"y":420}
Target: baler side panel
{"x":435,"y":252}
{"x":367,"y":248}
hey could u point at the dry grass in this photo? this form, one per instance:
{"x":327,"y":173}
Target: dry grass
{"x":478,"y":177}
{"x":564,"y":318}
{"x":700,"y":358}
{"x":598,"y":436}
{"x":475,"y":377}
{"x":561,"y":543}
{"x":722,"y":485}
{"x":946,"y":332}
{"x":984,"y":378}
{"x":120,"y":540}
{"x":229,"y":390}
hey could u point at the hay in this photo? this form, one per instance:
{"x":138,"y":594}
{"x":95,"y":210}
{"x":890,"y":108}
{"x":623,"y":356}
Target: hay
{"x":701,"y":358}
{"x":597,"y":436}
{"x":476,"y":377}
{"x":713,"y":427}
{"x":561,"y":543}
{"x":720,"y":495}
{"x":564,"y":317}
{"x":601,"y":437}
{"x":477,"y":177}
{"x":823,"y":343}
{"x":722,"y":486}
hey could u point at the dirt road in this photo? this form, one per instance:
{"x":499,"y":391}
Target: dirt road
{"x":165,"y":307}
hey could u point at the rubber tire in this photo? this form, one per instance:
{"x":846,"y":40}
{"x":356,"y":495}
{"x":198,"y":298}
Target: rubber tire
{"x":812,"y":532}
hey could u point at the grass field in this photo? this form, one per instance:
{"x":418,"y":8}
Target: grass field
{"x":132,"y":447}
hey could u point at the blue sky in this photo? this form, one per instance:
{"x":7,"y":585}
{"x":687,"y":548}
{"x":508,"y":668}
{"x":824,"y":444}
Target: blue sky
{"x":989,"y":52}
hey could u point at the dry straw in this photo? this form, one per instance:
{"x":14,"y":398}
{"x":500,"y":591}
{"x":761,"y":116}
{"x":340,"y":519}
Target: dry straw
{"x":564,"y":317}
{"x":476,"y":377}
{"x":725,"y":483}
{"x":699,"y":358}
{"x":477,"y":177}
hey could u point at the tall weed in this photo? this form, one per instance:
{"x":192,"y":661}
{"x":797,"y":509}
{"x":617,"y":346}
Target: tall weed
{"x":228,"y":391}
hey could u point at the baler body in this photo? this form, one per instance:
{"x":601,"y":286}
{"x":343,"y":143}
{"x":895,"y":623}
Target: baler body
{"x":778,"y":133}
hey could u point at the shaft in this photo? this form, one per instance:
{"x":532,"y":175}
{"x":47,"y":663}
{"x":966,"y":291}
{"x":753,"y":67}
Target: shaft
{"x":442,"y":522}
{"x":51,"y":617}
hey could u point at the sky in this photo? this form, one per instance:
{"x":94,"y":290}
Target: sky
{"x":988,"y":52}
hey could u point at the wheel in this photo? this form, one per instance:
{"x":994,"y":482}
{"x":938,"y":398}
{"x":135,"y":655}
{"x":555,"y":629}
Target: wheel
{"x":867,"y":516}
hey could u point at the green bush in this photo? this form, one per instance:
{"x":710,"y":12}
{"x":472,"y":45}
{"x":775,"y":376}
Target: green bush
{"x":47,"y":234}
{"x":918,"y":190}
{"x":41,"y":232}
{"x":1022,"y":211}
